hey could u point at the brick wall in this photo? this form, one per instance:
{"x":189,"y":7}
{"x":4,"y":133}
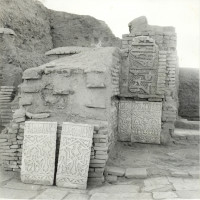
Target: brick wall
{"x":166,"y":39}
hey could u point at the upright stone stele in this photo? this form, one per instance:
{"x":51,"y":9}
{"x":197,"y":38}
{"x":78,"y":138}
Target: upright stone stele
{"x":74,"y":155}
{"x":38,"y":155}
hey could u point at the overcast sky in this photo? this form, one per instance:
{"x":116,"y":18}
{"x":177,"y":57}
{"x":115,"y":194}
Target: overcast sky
{"x":184,"y":15}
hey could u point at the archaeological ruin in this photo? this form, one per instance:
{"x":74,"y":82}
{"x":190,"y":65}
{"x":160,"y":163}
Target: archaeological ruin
{"x":60,"y":120}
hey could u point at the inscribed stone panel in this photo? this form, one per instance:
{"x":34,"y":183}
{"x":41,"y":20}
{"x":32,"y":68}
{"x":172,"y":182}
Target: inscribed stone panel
{"x":38,"y":156}
{"x":74,"y":155}
{"x":143,"y":60}
{"x":125,"y":109}
{"x":146,"y":122}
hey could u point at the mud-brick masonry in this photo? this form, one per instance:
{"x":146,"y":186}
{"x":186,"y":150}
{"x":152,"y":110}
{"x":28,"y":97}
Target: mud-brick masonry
{"x":79,"y":88}
{"x":164,"y":85}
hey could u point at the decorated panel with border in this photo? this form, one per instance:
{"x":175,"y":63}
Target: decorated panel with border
{"x":74,"y":155}
{"x":38,"y":155}
{"x":146,"y":122}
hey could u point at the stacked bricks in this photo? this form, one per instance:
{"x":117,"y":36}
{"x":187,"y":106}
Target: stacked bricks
{"x":115,"y":75}
{"x":99,"y":156}
{"x":11,"y":145}
{"x":11,"y":149}
{"x":11,"y":140}
{"x":1,"y":75}
{"x":6,"y":96}
{"x":165,"y":38}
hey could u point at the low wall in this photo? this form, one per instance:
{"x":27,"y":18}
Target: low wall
{"x":189,"y":93}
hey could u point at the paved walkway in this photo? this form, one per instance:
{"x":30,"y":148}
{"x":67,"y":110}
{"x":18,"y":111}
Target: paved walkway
{"x":162,"y":187}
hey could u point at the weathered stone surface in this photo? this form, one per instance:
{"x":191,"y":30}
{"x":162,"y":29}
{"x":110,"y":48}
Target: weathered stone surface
{"x":37,"y":116}
{"x":111,"y":179}
{"x":52,"y":194}
{"x":68,"y":50}
{"x":125,"y":118}
{"x":187,"y":194}
{"x":146,"y":122}
{"x":128,"y":195}
{"x":95,"y":80}
{"x":77,"y":197}
{"x":136,"y":173}
{"x":164,"y":195}
{"x":7,"y":193}
{"x":34,"y":73}
{"x":157,"y":184}
{"x":140,"y":121}
{"x":17,"y":184}
{"x":185,"y":184}
{"x":118,"y":171}
{"x":74,"y":155}
{"x":116,"y":189}
{"x":38,"y":158}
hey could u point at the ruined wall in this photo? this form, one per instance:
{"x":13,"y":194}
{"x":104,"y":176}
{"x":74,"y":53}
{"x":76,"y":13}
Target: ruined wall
{"x":162,"y":77}
{"x":10,"y":74}
{"x":78,"y":88}
{"x":189,"y":93}
{"x":80,"y":30}
{"x":30,"y":22}
{"x":39,"y":29}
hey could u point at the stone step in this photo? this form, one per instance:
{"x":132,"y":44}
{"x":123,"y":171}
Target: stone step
{"x":186,"y":134}
{"x":185,"y":124}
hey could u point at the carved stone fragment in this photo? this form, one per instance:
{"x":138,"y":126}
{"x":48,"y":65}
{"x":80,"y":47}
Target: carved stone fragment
{"x":146,"y":122}
{"x":38,"y":156}
{"x":74,"y":155}
{"x":125,"y":108}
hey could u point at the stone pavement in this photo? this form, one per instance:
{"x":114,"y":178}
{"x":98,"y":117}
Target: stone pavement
{"x":162,"y":187}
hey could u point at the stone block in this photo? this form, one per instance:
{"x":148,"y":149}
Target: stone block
{"x":136,"y":173}
{"x":146,"y":122}
{"x":21,"y":119}
{"x":111,"y":179}
{"x":19,"y":113}
{"x":3,"y":140}
{"x":95,"y":161}
{"x":100,"y":144}
{"x":164,"y":195}
{"x":32,"y":73}
{"x":117,"y":171}
{"x":101,"y":148}
{"x":14,"y":146}
{"x":95,"y":174}
{"x":52,"y":193}
{"x":97,"y":165}
{"x":75,"y":149}
{"x":38,"y":158}
{"x":101,"y":157}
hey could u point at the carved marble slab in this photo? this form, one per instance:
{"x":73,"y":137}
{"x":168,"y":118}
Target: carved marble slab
{"x":74,"y":155}
{"x":38,"y":155}
{"x":146,"y":122}
{"x":124,"y":123}
{"x":143,"y":69}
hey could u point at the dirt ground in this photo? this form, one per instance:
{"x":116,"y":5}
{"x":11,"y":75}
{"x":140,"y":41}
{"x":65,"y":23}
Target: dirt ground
{"x":157,"y":159}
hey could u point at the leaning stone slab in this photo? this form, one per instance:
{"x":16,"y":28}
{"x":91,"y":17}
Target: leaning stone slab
{"x":74,"y":155}
{"x":38,"y":155}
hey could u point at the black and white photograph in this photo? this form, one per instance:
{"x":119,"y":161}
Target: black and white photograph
{"x":99,"y":99}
